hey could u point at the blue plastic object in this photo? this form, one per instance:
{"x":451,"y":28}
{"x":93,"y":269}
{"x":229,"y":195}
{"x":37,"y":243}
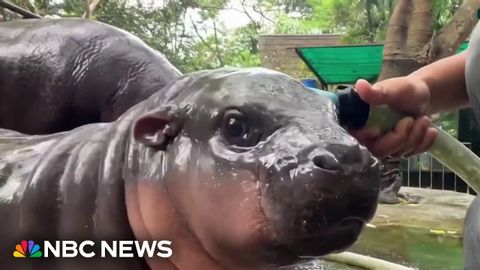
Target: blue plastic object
{"x":331,"y":95}
{"x":310,"y":83}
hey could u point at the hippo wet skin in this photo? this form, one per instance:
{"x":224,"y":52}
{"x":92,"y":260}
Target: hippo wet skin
{"x":58,"y":74}
{"x":240,"y":169}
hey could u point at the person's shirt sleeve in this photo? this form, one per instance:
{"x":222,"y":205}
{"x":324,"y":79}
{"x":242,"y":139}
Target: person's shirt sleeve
{"x":472,"y":70}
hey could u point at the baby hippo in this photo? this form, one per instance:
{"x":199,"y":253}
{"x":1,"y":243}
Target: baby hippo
{"x":238,"y":168}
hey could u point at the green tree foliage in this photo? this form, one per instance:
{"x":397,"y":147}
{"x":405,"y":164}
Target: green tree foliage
{"x":169,"y":28}
{"x":161,"y":27}
{"x":202,"y":42}
{"x":359,"y":21}
{"x":235,"y":50}
{"x":192,"y":44}
{"x":189,"y":44}
{"x":443,"y":10}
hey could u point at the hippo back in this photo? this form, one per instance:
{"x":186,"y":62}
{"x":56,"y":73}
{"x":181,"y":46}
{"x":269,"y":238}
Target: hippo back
{"x":57,"y":74}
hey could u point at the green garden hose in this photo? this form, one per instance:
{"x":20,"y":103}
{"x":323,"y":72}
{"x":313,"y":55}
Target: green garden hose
{"x":446,"y":149}
{"x":355,"y":113}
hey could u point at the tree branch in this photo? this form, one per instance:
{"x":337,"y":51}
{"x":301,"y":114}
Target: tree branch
{"x":220,"y":59}
{"x":203,"y":40}
{"x":25,"y":13}
{"x":456,"y":30}
{"x":371,"y":35}
{"x":86,"y":14}
{"x":90,"y":8}
{"x":397,"y":30}
{"x":30,"y":6}
{"x":220,"y":8}
{"x":395,"y":49}
{"x":259,"y":11}
{"x":182,"y":36}
{"x":246,"y":12}
{"x":421,"y":26}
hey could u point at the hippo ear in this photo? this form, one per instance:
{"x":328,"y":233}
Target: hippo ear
{"x":157,"y":129}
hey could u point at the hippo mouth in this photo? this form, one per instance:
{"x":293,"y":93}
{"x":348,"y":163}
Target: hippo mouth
{"x":319,"y":214}
{"x":330,"y":240}
{"x":333,"y":239}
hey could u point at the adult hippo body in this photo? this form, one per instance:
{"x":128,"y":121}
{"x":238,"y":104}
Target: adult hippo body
{"x":239,"y":169}
{"x":58,"y":74}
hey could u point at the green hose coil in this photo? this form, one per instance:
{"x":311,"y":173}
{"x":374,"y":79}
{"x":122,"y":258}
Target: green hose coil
{"x":446,"y":148}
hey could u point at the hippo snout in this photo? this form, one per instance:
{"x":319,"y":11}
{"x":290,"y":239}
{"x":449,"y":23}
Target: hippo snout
{"x":341,"y":158}
{"x":322,"y":201}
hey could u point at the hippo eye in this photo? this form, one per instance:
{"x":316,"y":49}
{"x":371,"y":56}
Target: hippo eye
{"x":235,"y":128}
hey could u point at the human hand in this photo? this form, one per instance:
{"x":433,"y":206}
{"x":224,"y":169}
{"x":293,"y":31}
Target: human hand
{"x":412,"y":135}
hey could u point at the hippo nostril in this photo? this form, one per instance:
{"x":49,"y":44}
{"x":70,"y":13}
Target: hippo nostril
{"x":327,"y":162}
{"x":346,"y":153}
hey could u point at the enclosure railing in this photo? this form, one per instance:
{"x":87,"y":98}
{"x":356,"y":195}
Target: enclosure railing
{"x":426,"y":172}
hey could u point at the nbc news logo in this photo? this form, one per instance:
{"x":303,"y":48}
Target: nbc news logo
{"x":85,"y":249}
{"x":27,"y":250}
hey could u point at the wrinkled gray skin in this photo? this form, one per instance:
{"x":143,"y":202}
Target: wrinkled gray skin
{"x":240,"y":169}
{"x":73,"y":72}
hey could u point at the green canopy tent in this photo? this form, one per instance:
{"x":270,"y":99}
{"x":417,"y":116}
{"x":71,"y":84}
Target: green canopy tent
{"x":346,"y":64}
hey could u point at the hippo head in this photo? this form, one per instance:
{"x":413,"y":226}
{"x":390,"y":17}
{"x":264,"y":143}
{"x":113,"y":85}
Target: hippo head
{"x":258,"y":168}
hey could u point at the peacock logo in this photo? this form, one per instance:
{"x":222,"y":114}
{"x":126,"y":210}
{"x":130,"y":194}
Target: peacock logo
{"x":27,"y":250}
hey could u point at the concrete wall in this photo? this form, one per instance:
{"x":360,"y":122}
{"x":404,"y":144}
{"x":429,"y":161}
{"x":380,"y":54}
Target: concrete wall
{"x":278,"y":52}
